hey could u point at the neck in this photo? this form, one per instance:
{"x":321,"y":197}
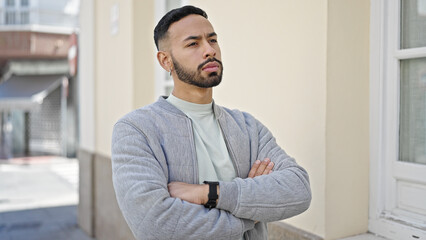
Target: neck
{"x":192,"y":93}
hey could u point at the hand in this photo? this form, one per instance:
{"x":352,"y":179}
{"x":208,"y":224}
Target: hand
{"x":193,"y":193}
{"x":261,"y":168}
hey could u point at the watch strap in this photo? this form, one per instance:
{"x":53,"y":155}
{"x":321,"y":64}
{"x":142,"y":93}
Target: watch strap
{"x":211,"y":203}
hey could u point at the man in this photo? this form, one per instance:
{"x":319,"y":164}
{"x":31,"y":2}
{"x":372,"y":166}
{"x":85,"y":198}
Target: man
{"x":163,"y":153}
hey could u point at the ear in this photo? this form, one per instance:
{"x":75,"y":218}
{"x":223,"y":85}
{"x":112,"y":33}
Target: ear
{"x":165,"y":60}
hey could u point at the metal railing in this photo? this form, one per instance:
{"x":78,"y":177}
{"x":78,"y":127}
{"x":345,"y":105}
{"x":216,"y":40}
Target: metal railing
{"x":11,"y":16}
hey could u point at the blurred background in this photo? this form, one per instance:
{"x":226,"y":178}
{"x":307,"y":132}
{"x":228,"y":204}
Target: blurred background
{"x":39,"y":119}
{"x":340,"y":83}
{"x":38,"y":91}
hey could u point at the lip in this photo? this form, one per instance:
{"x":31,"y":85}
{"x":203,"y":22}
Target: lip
{"x":211,"y":67}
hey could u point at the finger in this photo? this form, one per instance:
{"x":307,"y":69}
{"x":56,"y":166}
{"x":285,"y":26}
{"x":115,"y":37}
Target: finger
{"x":262,"y":167}
{"x":268,"y":168}
{"x":254,"y":169}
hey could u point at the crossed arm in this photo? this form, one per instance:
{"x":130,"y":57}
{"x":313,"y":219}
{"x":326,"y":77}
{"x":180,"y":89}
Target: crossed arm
{"x":198,"y":193}
{"x":155,"y":210}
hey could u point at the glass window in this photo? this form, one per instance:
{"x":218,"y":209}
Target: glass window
{"x":172,"y":4}
{"x":10,"y":3}
{"x":412,"y":130}
{"x":25,"y":3}
{"x":10,"y":18}
{"x":25,"y":17}
{"x":413,"y":23}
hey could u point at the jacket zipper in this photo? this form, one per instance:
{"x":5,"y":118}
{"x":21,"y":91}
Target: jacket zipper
{"x":194,"y":152}
{"x":231,"y":153}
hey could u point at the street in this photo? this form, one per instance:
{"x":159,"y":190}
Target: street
{"x":39,"y":198}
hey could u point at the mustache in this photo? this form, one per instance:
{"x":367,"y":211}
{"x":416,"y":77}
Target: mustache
{"x":209,"y":60}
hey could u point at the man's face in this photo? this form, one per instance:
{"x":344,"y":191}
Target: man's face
{"x":195,"y":51}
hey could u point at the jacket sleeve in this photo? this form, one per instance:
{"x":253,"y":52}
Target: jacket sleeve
{"x":282,"y":194}
{"x":140,"y":185}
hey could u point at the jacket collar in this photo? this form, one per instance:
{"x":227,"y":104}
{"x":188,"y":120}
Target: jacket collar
{"x":163,"y":103}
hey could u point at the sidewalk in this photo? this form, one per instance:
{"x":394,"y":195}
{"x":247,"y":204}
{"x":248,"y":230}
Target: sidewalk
{"x":38,"y":199}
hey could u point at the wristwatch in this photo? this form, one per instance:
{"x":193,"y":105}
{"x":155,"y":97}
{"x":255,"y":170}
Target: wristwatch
{"x":211,"y":203}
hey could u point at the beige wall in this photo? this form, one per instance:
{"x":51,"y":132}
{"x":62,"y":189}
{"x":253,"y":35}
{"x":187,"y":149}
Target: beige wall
{"x":347,"y":144}
{"x":301,"y":67}
{"x":124,"y":64}
{"x":274,"y":58}
{"x":116,"y":76}
{"x":114,"y":70}
{"x":143,"y":53}
{"x":86,"y":76}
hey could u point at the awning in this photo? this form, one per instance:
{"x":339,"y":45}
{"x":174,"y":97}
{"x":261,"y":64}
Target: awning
{"x":27,"y":92}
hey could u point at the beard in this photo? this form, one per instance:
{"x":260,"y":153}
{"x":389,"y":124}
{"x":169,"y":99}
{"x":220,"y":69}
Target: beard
{"x":195,"y":78}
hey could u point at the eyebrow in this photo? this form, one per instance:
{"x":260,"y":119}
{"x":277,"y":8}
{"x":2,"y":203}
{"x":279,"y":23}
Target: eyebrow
{"x":199,"y":37}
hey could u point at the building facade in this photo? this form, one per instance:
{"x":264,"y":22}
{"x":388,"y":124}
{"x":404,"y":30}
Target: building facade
{"x":37,"y":49}
{"x":323,"y":76}
{"x":59,"y":13}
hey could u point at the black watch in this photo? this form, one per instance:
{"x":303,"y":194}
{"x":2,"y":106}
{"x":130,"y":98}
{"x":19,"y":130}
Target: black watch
{"x":211,"y":203}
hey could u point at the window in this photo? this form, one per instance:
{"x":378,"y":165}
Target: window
{"x":10,"y":3}
{"x":25,"y":17}
{"x":25,"y":3}
{"x":10,"y":18}
{"x":412,"y":115}
{"x":17,"y":14}
{"x":398,"y":119}
{"x":172,"y":4}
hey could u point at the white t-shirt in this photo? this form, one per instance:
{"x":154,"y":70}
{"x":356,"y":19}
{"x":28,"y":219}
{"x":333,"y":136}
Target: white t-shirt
{"x":214,"y":162}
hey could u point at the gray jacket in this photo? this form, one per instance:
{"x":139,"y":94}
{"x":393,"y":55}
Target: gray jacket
{"x":154,"y":145}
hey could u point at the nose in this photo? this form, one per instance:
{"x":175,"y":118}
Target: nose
{"x":209,"y":51}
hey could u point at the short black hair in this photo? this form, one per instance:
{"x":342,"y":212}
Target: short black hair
{"x":172,"y":16}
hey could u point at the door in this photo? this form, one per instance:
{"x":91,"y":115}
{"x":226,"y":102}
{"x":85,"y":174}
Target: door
{"x":398,"y":119}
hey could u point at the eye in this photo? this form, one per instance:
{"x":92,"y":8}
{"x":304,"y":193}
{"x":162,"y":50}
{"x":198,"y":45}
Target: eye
{"x":192,"y":44}
{"x":213,"y":40}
